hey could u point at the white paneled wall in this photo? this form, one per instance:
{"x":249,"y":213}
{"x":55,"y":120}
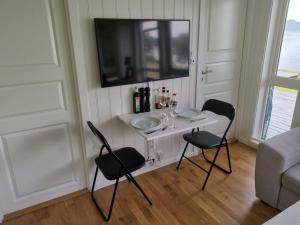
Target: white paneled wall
{"x":106,"y":103}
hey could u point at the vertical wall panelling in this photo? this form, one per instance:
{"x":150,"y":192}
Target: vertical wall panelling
{"x":178,"y":14}
{"x":194,"y":44}
{"x":140,"y":143}
{"x":135,"y":9}
{"x":146,"y":9}
{"x":163,"y":145}
{"x":87,"y":14}
{"x":188,"y":14}
{"x":106,"y":103}
{"x":122,"y":8}
{"x":109,"y":8}
{"x":169,"y":5}
{"x":158,"y":9}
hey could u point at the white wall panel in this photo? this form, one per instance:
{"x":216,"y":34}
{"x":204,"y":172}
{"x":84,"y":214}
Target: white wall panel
{"x":146,"y":9}
{"x":32,"y":159}
{"x":122,"y":8}
{"x":20,"y":37}
{"x":109,"y":8}
{"x":23,"y":99}
{"x":107,"y":103}
{"x":135,"y":9}
{"x":169,"y":5}
{"x":158,"y":9}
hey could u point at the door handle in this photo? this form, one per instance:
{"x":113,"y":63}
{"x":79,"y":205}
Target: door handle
{"x":204,"y":72}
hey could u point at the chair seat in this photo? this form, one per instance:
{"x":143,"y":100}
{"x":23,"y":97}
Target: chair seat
{"x":203,"y":139}
{"x":110,"y":168}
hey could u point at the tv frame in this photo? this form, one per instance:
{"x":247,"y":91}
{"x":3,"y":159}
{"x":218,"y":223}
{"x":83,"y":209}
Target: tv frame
{"x":99,"y":48}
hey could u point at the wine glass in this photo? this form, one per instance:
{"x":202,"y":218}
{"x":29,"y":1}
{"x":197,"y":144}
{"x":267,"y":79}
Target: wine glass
{"x":172,"y":113}
{"x":164,"y":114}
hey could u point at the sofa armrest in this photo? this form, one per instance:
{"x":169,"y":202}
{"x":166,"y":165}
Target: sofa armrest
{"x":273,"y":158}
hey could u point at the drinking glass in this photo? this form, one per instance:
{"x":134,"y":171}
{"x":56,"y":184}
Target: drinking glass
{"x":172,"y":113}
{"x":164,"y":114}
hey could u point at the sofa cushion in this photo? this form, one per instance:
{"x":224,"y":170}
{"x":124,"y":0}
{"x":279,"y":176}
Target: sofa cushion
{"x":291,"y":179}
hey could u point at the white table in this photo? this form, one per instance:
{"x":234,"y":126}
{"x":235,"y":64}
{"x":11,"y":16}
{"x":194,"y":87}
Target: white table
{"x":290,"y":216}
{"x":181,"y":125}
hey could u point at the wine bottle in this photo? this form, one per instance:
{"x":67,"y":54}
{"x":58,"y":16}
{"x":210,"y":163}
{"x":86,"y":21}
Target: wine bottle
{"x":136,"y":101}
{"x":142,"y":99}
{"x":147,"y":102}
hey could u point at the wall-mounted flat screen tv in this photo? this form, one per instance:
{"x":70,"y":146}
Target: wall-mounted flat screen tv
{"x":134,"y":50}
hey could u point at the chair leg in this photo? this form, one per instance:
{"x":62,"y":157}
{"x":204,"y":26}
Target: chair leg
{"x":178,"y":165}
{"x":216,"y":165}
{"x":210,"y":169}
{"x":128,"y":177}
{"x":106,"y":218}
{"x":228,"y":156}
{"x":139,"y":187}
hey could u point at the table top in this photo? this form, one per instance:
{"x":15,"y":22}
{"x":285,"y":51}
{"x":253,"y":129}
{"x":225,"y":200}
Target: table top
{"x":181,"y":124}
{"x":290,"y":216}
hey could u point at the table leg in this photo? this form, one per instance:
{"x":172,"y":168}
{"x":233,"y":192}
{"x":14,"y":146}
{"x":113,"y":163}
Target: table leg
{"x":150,"y":157}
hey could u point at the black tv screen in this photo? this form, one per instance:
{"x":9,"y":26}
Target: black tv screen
{"x":133,"y":50}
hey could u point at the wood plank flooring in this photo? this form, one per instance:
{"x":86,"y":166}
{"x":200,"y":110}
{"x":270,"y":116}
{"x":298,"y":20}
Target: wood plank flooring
{"x":176,"y":195}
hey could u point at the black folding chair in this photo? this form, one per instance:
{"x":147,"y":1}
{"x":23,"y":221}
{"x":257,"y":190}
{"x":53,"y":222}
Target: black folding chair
{"x":206,"y":140}
{"x":114,"y":165}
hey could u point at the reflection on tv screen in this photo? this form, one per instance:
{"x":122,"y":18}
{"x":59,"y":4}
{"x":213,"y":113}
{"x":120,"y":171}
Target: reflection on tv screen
{"x":133,"y":51}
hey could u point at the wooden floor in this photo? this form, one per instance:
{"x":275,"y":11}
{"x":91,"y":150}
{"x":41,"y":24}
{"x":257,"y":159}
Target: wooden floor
{"x":176,"y":195}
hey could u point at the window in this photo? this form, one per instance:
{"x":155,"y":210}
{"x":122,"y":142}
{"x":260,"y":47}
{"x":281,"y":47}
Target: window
{"x":283,"y":89}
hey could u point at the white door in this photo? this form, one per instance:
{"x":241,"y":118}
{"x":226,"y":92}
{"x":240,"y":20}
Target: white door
{"x":220,"y":53}
{"x":40,"y":153}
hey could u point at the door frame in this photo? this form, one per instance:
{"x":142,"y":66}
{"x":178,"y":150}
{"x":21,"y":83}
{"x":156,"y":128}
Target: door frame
{"x":77,"y":59}
{"x":200,"y":53}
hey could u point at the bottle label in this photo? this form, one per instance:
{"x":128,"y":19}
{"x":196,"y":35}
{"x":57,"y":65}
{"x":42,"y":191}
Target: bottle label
{"x":137,"y":104}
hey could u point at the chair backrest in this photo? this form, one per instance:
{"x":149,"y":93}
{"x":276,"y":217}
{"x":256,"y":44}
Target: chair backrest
{"x":220,"y":108}
{"x":98,"y":134}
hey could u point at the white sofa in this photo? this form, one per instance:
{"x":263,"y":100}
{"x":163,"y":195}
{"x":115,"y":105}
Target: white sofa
{"x":277,"y":170}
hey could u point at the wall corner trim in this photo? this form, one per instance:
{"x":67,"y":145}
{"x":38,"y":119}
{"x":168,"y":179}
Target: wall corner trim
{"x":74,"y":32}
